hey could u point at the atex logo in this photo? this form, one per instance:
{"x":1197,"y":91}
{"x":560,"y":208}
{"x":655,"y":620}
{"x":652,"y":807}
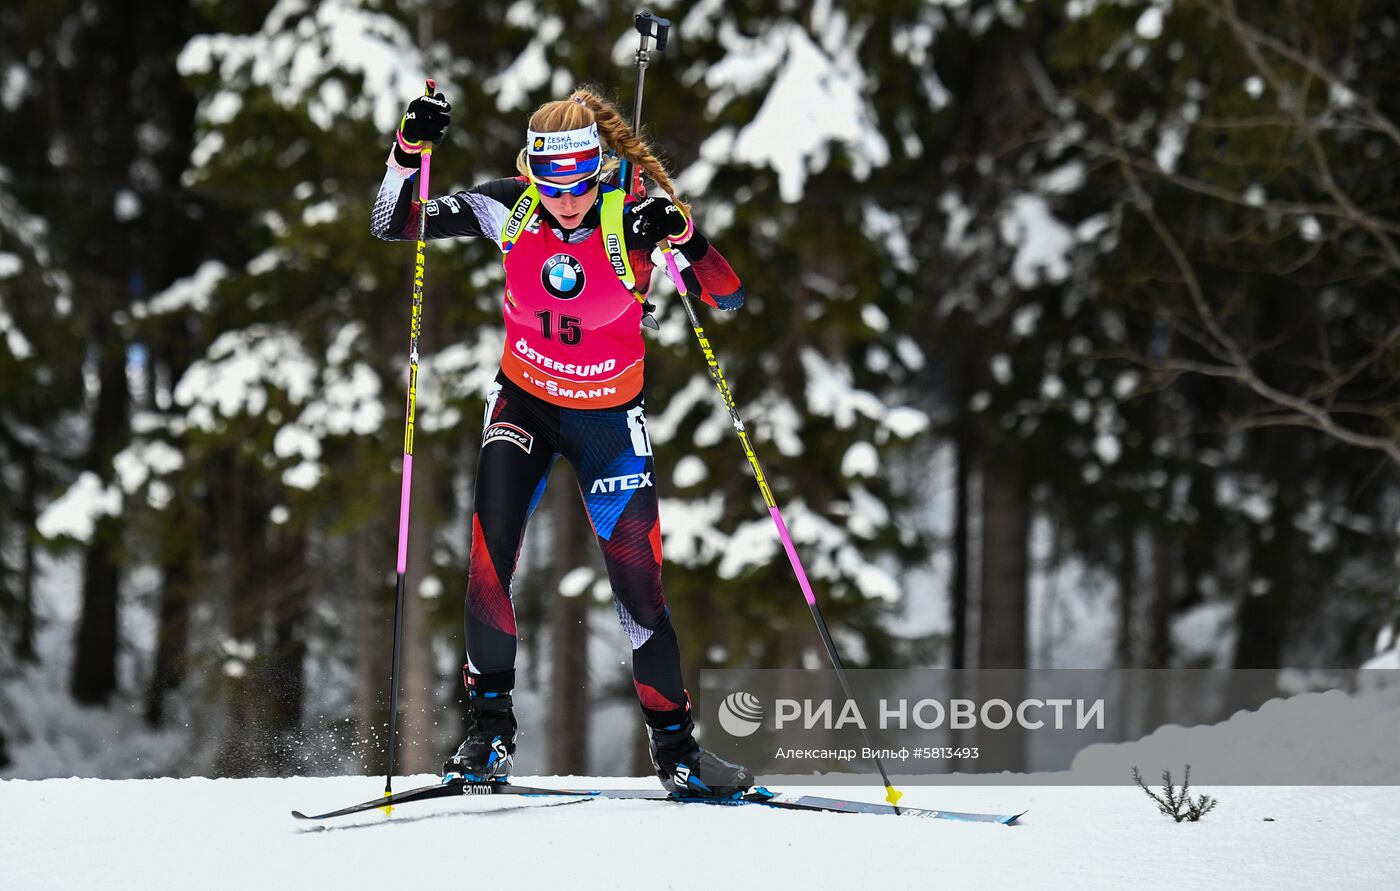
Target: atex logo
{"x":620,"y":483}
{"x":740,"y":714}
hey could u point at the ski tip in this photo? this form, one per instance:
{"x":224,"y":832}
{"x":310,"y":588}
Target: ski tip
{"x":300,"y":816}
{"x":1008,"y":821}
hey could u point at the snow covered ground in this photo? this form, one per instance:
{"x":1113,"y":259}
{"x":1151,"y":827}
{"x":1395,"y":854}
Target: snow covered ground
{"x":187,"y":833}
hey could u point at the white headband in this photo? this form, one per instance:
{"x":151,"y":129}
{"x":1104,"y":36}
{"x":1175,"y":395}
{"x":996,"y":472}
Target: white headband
{"x":563,"y":142}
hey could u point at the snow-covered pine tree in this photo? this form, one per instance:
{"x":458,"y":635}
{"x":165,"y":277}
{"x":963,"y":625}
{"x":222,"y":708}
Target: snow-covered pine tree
{"x":293,"y":411}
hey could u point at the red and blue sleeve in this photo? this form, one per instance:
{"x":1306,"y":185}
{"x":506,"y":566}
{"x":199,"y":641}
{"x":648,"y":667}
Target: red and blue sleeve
{"x":710,"y":274}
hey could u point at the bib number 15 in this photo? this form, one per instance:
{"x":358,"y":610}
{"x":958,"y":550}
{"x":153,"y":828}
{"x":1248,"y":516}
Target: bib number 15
{"x":568,"y":330}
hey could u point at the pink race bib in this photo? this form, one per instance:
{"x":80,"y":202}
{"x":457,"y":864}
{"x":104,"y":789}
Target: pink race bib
{"x":573,"y":330}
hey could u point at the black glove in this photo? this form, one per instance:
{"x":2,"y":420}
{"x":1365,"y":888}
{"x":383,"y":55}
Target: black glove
{"x":427,"y":118}
{"x":656,"y":218}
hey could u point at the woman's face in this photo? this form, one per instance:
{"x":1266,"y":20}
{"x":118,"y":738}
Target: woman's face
{"x":567,"y":209}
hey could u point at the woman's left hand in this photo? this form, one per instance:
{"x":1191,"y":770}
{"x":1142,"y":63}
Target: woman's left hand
{"x":656,"y":218}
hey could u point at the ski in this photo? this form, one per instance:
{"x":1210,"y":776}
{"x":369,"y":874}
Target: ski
{"x":312,"y":825}
{"x":445,"y":789}
{"x":759,"y":796}
{"x":842,"y":806}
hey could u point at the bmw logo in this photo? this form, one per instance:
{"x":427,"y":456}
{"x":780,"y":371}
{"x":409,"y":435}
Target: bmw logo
{"x":562,"y":276}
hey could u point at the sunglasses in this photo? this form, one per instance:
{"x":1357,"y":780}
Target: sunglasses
{"x":578,"y":189}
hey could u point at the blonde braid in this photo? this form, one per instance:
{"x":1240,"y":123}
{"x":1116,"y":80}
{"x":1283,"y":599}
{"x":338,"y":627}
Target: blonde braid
{"x":621,"y":139}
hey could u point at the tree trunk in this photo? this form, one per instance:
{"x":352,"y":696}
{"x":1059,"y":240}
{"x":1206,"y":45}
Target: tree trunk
{"x":24,"y":643}
{"x":245,"y":548}
{"x":95,"y":660}
{"x":172,"y":635}
{"x":418,"y":746}
{"x":95,"y":663}
{"x":1159,"y":633}
{"x":371,"y":654}
{"x":1005,"y":560}
{"x":1003,"y":635}
{"x":1263,"y":617}
{"x":1127,"y":587}
{"x":959,"y":597}
{"x":568,"y":621}
{"x":962,"y":556}
{"x":1159,"y":641}
{"x":285,"y":667}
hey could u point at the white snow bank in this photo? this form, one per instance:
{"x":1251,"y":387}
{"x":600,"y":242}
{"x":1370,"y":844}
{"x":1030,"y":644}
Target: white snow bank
{"x":1316,"y":737}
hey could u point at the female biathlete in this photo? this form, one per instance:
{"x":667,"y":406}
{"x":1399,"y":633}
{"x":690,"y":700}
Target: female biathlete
{"x":577,"y":255}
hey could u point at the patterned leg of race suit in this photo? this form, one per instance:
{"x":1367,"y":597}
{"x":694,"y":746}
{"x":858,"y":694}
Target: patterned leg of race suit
{"x":610,"y":452}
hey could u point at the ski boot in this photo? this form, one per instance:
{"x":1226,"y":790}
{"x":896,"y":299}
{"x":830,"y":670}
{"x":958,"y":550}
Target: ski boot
{"x":487,"y":754}
{"x":688,"y":771}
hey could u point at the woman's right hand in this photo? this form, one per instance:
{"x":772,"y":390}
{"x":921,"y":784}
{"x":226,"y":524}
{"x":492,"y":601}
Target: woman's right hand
{"x":427,"y":118}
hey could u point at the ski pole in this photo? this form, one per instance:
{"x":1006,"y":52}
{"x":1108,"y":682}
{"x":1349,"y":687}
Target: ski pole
{"x":649,"y":26}
{"x":406,"y":489}
{"x":712,"y":364}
